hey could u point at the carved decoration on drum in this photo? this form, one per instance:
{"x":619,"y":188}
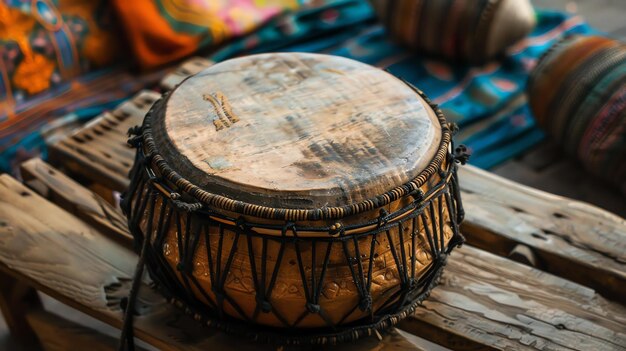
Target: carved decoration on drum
{"x":224,"y":116}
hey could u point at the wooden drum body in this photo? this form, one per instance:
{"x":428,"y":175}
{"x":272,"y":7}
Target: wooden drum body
{"x":295,"y":198}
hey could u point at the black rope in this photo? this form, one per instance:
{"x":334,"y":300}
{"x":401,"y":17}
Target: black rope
{"x":223,"y":235}
{"x":127,"y":335}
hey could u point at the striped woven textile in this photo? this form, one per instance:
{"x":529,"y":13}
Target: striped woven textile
{"x":577,"y":93}
{"x":459,"y":30}
{"x":53,"y":114}
{"x":487,"y":101}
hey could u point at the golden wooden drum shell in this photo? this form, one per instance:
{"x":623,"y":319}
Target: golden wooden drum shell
{"x":239,"y":251}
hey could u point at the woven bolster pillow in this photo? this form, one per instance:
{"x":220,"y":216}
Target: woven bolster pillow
{"x":459,"y":30}
{"x":577,"y":93}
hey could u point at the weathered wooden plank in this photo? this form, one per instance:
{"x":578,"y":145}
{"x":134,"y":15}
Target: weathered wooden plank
{"x":64,"y":257}
{"x":76,"y":199}
{"x":58,"y":188}
{"x":186,"y":69}
{"x":488,"y":302}
{"x":99,"y":151}
{"x":564,"y":177}
{"x":59,"y":334}
{"x":16,"y":301}
{"x":571,"y":239}
{"x":483,"y":301}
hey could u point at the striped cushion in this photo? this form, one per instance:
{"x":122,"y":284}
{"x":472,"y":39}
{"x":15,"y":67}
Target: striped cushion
{"x":577,"y":93}
{"x":459,"y":30}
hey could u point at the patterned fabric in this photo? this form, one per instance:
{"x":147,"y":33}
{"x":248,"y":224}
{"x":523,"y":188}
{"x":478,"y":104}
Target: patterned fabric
{"x":44,"y":43}
{"x":487,"y":101}
{"x":578,"y":95}
{"x":162,"y":31}
{"x":460,"y":30}
{"x":53,"y":114}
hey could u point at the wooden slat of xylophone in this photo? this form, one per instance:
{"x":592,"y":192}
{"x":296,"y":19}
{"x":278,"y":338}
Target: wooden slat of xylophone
{"x":65,"y":258}
{"x":99,"y":150}
{"x":487,"y":301}
{"x":571,"y":239}
{"x":500,"y":215}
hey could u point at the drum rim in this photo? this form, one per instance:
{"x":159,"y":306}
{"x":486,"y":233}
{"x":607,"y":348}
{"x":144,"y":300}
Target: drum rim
{"x":145,"y":143}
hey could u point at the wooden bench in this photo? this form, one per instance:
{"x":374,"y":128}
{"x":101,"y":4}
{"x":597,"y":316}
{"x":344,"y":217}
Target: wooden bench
{"x":60,"y":237}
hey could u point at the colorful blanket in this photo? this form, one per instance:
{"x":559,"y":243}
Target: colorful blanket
{"x":162,"y":31}
{"x":486,"y":101}
{"x":52,"y":115}
{"x":44,"y":43}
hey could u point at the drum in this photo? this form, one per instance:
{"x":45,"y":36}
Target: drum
{"x":295,"y":198}
{"x":470,"y":31}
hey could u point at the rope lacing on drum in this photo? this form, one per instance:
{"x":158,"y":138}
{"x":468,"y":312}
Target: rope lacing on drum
{"x":452,"y":127}
{"x":181,"y":286}
{"x":361,"y":282}
{"x":312,"y":291}
{"x":383,"y":217}
{"x":417,"y":195}
{"x":135,"y":136}
{"x":184,"y":206}
{"x":461,"y":154}
{"x":336,"y":229}
{"x":194,"y":221}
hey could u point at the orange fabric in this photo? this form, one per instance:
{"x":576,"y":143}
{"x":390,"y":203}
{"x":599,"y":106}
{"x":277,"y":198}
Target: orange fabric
{"x":162,"y":31}
{"x":152,"y":40}
{"x":44,"y":43}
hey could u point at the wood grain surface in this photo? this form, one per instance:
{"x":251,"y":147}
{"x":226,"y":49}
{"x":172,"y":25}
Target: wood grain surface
{"x":17,"y":300}
{"x":296,"y":130}
{"x":488,"y":302}
{"x":69,"y":260}
{"x":76,"y":199}
{"x":483,"y":301}
{"x":571,"y":239}
{"x":99,"y":150}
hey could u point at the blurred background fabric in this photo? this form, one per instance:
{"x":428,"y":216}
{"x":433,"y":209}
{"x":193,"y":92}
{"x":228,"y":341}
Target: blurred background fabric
{"x":47,"y":51}
{"x":486,"y":100}
{"x":162,"y":31}
{"x":45,"y":43}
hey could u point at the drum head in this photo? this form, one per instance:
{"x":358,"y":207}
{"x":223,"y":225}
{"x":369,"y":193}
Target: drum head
{"x":296,"y":130}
